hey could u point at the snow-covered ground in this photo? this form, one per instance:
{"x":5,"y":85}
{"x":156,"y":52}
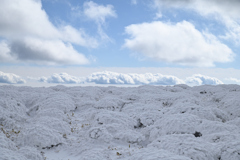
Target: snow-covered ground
{"x":107,"y":123}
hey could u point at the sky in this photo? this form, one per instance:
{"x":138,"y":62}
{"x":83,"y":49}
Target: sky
{"x":127,"y":42}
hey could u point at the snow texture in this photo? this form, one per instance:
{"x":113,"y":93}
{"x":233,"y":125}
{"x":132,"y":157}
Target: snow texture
{"x":137,"y":123}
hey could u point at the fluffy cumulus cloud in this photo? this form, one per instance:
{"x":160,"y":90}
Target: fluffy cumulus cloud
{"x":198,"y":79}
{"x":38,"y":36}
{"x":10,"y":78}
{"x":46,"y":52}
{"x":226,"y":12}
{"x":62,"y":78}
{"x":179,"y":43}
{"x":34,"y":20}
{"x":134,"y":79}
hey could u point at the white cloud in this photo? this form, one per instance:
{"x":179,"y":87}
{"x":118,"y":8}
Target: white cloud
{"x":35,"y":27}
{"x":46,"y":52}
{"x":19,"y":18}
{"x":205,"y":7}
{"x":134,"y":79}
{"x":134,"y":2}
{"x":63,"y":78}
{"x":10,"y":78}
{"x":115,"y":78}
{"x":227,"y":12}
{"x":198,"y":79}
{"x":158,"y":15}
{"x":5,"y":51}
{"x":97,"y":12}
{"x":179,"y":43}
{"x":232,"y":80}
{"x":79,"y":37}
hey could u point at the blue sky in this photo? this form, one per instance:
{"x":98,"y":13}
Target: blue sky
{"x":161,"y":36}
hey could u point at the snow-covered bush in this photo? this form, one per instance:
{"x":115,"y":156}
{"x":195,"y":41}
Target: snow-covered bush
{"x":147,"y":122}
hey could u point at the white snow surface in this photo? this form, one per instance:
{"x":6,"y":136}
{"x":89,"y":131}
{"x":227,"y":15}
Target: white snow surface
{"x":107,"y":123}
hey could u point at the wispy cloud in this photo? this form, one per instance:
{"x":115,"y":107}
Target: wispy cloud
{"x":99,"y":13}
{"x":134,"y":2}
{"x":11,"y":78}
{"x":232,"y":80}
{"x":226,"y":12}
{"x":179,"y":43}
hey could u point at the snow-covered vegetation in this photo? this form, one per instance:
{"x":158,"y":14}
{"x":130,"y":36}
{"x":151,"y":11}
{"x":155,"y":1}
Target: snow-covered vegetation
{"x":137,"y":123}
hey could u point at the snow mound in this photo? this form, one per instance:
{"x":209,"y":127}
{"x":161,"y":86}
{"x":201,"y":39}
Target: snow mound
{"x":143,"y":123}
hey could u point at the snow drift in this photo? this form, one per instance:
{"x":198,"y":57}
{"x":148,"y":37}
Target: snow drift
{"x":137,"y":123}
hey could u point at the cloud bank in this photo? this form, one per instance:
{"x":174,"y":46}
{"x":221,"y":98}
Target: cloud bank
{"x":36,"y":39}
{"x":62,"y":78}
{"x":198,"y":79}
{"x":108,"y":77}
{"x":179,"y":43}
{"x":136,"y":79}
{"x":11,"y":78}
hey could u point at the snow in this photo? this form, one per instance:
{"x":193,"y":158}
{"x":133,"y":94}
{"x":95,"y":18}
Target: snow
{"x":137,"y":123}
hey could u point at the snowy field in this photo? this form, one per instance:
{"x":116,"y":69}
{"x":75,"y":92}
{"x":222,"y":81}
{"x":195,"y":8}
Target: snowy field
{"x":108,"y":123}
